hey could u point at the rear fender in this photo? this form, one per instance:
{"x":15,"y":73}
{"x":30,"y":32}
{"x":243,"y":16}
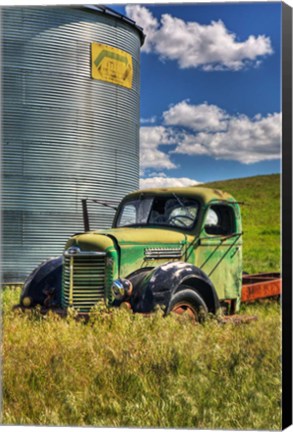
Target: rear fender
{"x":157,"y":286}
{"x":43,"y":285}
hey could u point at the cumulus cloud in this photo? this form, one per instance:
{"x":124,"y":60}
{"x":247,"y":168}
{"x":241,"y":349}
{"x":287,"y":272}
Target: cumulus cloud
{"x":150,"y":120}
{"x":151,"y":137}
{"x":245,"y":140}
{"x":144,"y":18}
{"x":203,"y":117}
{"x":164,"y":181}
{"x":208,"y":130}
{"x":209,"y":47}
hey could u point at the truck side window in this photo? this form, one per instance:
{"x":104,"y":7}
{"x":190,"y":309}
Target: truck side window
{"x":220,"y":220}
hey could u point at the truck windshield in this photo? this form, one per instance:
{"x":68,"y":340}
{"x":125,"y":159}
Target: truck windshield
{"x":159,"y":210}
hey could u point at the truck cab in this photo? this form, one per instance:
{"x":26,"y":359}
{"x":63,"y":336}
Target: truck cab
{"x":179,"y":248}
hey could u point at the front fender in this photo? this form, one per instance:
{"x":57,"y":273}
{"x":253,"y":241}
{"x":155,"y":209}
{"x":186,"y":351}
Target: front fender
{"x":157,"y":286}
{"x":43,"y":285}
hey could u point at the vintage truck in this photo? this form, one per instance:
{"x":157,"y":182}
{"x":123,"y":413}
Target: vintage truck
{"x":179,"y":248}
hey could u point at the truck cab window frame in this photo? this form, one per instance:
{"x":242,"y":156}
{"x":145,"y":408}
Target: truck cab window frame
{"x":220,"y":220}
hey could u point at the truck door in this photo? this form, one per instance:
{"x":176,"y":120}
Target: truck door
{"x":220,"y":248}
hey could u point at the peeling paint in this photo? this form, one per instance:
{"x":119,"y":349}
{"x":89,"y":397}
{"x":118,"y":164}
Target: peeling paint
{"x":218,"y":256}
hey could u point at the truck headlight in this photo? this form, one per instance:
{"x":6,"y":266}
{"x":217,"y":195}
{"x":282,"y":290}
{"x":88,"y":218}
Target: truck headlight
{"x":26,"y":301}
{"x":121,"y":288}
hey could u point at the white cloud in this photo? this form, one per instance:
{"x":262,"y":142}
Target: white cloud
{"x":194,"y":45}
{"x":144,"y":18}
{"x":151,"y":137}
{"x":245,"y":140}
{"x":163,"y":181}
{"x":207,"y":130}
{"x":149,"y":120}
{"x":201,"y":117}
{"x":157,"y":174}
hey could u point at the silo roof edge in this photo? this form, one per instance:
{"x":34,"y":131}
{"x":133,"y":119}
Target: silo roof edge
{"x":108,"y":11}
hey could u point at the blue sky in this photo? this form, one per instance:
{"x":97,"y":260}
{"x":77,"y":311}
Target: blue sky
{"x":210,"y":91}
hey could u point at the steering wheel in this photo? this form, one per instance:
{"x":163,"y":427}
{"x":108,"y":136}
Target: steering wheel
{"x":180,"y":217}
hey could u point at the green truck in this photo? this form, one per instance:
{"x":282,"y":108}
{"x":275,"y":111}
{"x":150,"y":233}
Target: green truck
{"x":177,"y":248}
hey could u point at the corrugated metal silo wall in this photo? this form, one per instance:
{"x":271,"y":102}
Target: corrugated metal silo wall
{"x":66,"y":136}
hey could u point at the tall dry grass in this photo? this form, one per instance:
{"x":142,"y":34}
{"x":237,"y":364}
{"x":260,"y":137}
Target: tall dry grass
{"x":122,"y":369}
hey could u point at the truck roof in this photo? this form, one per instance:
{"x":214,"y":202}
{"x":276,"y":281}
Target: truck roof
{"x":204,"y":194}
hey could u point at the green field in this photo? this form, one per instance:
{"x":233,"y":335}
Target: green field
{"x":261,"y":220}
{"x":129,"y":370}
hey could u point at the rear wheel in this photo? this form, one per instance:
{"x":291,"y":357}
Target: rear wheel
{"x":189,"y":302}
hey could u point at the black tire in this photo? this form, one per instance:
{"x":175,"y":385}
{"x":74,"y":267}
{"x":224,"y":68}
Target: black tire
{"x":187,"y":300}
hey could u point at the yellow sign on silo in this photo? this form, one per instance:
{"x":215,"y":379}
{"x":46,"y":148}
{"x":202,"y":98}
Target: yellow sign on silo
{"x":111,"y":64}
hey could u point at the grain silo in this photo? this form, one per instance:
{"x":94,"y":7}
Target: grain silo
{"x":70,"y":122}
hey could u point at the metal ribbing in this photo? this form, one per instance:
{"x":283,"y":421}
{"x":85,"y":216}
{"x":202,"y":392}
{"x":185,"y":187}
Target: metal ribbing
{"x":66,"y":136}
{"x":83,"y":281}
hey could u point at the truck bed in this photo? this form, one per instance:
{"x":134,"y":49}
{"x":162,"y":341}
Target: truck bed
{"x":259,"y":286}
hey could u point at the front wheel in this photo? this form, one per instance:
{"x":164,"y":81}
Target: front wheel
{"x":189,"y":302}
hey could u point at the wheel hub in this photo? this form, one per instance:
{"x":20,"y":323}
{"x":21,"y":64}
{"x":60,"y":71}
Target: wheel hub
{"x":184,"y":307}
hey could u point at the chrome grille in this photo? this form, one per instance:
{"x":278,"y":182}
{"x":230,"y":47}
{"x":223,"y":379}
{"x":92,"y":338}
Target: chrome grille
{"x":83,"y":281}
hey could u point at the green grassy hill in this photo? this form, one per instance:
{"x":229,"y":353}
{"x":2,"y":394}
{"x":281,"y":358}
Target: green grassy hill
{"x":261,"y":219}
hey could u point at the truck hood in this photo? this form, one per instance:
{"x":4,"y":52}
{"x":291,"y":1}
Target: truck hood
{"x":105,"y":238}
